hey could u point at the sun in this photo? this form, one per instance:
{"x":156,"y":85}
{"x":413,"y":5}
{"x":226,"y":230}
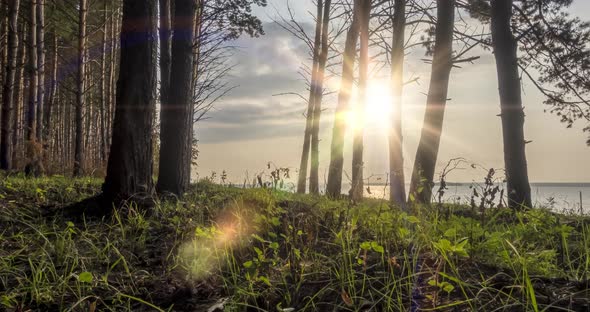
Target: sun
{"x":378,"y":109}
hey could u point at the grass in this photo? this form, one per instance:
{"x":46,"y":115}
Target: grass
{"x":267,"y":250}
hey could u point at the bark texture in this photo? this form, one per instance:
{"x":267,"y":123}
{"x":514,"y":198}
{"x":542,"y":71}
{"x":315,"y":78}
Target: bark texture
{"x":129,"y":169}
{"x":41,"y":72}
{"x":31,"y":129}
{"x":176,"y":115}
{"x":80,"y":89}
{"x":9,"y":86}
{"x":52,"y":90}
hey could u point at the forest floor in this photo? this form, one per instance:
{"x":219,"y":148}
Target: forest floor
{"x":231,"y":249}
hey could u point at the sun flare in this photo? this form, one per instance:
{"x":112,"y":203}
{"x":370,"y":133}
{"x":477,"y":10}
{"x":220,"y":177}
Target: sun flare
{"x":378,"y":109}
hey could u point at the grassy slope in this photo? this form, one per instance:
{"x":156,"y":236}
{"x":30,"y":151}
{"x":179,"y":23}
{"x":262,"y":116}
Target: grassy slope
{"x":264,"y":250}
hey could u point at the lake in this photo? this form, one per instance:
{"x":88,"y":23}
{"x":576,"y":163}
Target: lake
{"x":558,"y":196}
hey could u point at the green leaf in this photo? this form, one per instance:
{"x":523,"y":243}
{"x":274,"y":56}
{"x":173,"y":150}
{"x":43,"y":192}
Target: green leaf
{"x":377,"y":248}
{"x":450,"y":233}
{"x":265,"y":280}
{"x":366,"y":245}
{"x":413,"y":219}
{"x":447,"y":287}
{"x":85,"y":277}
{"x":274,"y":245}
{"x":258,"y":238}
{"x":258,"y":251}
{"x":248,"y":264}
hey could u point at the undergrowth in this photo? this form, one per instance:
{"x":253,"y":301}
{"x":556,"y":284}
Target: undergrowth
{"x":231,"y":249}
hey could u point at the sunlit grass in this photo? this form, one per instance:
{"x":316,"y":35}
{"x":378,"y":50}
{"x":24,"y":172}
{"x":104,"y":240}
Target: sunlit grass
{"x":268,"y":250}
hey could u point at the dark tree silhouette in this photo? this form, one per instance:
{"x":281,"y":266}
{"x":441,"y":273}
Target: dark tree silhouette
{"x":80,"y":88}
{"x":512,"y":114}
{"x":9,"y":86}
{"x":357,"y":189}
{"x":318,"y":87}
{"x":397,"y":193}
{"x":302,"y":178}
{"x":334,"y":186}
{"x":442,"y":63}
{"x":33,"y":70}
{"x":129,"y":169}
{"x":176,"y":118}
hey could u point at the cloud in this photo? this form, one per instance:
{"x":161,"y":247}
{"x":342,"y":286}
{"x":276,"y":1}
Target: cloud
{"x":264,"y":67}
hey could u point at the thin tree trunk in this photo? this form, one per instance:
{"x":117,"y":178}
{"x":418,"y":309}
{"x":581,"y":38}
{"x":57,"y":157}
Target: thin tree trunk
{"x":19,"y":98}
{"x":356,"y":192}
{"x":397,"y":194}
{"x":442,"y":63}
{"x":314,"y":185}
{"x":9,"y":86}
{"x":302,"y":178}
{"x":67,"y":135}
{"x":512,"y":113}
{"x":80,"y":90}
{"x":4,"y":33}
{"x":115,"y":30}
{"x":334,"y":186}
{"x":103,"y":89}
{"x":52,"y":89}
{"x":33,"y":76}
{"x":129,"y":169}
{"x":176,"y":115}
{"x":165,"y":50}
{"x":41,"y":72}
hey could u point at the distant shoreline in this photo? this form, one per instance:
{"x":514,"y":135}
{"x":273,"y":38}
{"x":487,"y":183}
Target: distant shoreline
{"x":543,"y":184}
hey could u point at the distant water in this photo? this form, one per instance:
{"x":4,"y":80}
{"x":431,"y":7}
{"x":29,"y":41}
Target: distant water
{"x":557,"y":196}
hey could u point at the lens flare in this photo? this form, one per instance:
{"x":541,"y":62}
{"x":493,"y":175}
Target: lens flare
{"x":207,"y":252}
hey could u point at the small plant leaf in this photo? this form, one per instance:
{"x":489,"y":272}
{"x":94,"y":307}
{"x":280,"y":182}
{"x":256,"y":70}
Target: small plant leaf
{"x":85,"y":277}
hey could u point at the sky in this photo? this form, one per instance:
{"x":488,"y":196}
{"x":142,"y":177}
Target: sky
{"x":255,"y":125}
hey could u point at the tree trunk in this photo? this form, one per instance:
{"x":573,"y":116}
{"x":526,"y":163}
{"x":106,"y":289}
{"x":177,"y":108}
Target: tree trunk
{"x":165,"y":50}
{"x":302,"y":179}
{"x":397,"y":194}
{"x":19,"y":98}
{"x":112,"y":73}
{"x":130,"y":165}
{"x":176,"y":115}
{"x":442,"y":63}
{"x":41,"y":56}
{"x":356,"y":192}
{"x":334,"y":187}
{"x":52,"y":90}
{"x":4,"y":33}
{"x":314,"y":181}
{"x":33,"y":76}
{"x":512,"y":113}
{"x":9,"y":86}
{"x":80,"y":89}
{"x":103,"y":89}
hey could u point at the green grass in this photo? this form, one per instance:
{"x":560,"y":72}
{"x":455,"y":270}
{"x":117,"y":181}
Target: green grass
{"x":266,"y":250}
